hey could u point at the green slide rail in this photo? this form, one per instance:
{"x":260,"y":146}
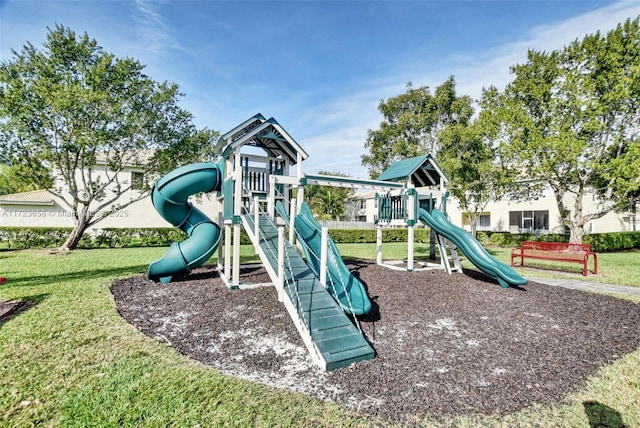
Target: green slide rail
{"x":341,"y":283}
{"x":475,"y":252}
{"x":169,"y":197}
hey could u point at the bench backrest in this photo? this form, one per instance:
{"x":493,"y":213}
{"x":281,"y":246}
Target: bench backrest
{"x":556,"y":246}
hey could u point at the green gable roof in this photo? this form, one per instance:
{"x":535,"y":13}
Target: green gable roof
{"x":423,"y":171}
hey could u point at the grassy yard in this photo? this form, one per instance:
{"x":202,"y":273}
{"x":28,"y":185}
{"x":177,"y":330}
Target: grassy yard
{"x":613,"y":268}
{"x":70,"y":360}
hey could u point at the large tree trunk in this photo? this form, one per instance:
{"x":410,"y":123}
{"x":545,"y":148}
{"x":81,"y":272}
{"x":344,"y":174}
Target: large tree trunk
{"x":576,"y":225}
{"x":76,"y":234}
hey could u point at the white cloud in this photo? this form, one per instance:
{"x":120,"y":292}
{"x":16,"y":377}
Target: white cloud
{"x":347,"y":119}
{"x":155,"y":33}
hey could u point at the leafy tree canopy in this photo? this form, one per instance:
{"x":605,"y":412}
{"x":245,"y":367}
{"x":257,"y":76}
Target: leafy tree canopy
{"x":412,"y":124}
{"x":572,"y":119}
{"x":327,"y":202}
{"x":83,"y":116}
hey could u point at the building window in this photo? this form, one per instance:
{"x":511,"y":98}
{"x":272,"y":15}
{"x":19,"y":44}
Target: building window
{"x":484,"y":221}
{"x":137,"y":180}
{"x":529,"y":221}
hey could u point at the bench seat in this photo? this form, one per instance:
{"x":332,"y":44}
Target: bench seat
{"x":556,"y":251}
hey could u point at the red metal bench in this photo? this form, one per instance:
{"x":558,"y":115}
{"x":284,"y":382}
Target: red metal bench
{"x":558,"y":251}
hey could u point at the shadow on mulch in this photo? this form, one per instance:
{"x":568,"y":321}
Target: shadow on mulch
{"x":445,"y":345}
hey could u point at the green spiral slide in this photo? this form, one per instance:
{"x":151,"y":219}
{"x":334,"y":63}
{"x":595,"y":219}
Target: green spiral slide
{"x":169,"y":197}
{"x":475,"y":252}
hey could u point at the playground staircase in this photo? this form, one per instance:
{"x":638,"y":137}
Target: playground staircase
{"x":447,"y":247}
{"x":332,"y":339}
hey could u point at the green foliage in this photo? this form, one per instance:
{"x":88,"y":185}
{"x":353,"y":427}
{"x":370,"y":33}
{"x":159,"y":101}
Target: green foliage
{"x":618,"y":241}
{"x":20,"y":238}
{"x":75,"y":109}
{"x":14,"y":179}
{"x":412,"y":124}
{"x":341,"y":236}
{"x":327,"y":202}
{"x":468,"y":157}
{"x":571,"y":121}
{"x":600,"y":242}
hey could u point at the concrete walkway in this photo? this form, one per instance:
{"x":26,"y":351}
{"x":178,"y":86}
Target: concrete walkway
{"x":577,"y":284}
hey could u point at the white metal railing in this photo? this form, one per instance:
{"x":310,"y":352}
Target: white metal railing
{"x":284,"y":271}
{"x":322,"y":258}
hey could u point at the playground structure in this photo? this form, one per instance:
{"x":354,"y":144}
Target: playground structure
{"x":256,"y":192}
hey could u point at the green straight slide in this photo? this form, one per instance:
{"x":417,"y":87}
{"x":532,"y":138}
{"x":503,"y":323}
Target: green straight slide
{"x":475,"y":252}
{"x":169,"y":197}
{"x":349,"y":292}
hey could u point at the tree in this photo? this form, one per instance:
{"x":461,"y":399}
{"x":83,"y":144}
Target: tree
{"x":469,"y":157}
{"x":572,"y":121}
{"x":326,"y":202}
{"x":412,"y":124}
{"x":84,"y":116}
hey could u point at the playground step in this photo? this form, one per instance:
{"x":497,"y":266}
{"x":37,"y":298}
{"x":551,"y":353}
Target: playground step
{"x":335,"y":337}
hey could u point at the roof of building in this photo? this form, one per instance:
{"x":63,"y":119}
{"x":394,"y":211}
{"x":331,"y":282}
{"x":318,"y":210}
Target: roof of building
{"x":266,"y":134}
{"x":35,"y":197}
{"x":423,"y":171}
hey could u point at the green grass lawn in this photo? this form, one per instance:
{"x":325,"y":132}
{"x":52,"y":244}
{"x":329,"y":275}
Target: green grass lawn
{"x":613,"y":268}
{"x":71,"y":360}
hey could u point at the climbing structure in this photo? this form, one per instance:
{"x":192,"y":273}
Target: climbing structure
{"x":425,"y":199}
{"x":258,"y":190}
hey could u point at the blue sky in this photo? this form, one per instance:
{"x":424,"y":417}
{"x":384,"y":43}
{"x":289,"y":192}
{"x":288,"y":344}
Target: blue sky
{"x":319,"y":67}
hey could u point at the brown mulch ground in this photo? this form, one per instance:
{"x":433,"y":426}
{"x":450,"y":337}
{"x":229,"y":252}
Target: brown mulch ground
{"x":446,"y":344}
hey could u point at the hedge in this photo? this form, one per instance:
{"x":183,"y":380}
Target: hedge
{"x":17,"y":238}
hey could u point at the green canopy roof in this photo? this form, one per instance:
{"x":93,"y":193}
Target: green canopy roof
{"x":422,"y":170}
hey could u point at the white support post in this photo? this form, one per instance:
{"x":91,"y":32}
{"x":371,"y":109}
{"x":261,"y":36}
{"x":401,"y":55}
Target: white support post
{"x":236,"y":255}
{"x":221,"y":247}
{"x":411,"y":220}
{"x":410,"y":250}
{"x":237,"y":211}
{"x":227,"y":251}
{"x":300,"y":195}
{"x":280,"y":284}
{"x":256,"y":221}
{"x":324,"y":244}
{"x":237,"y":190}
{"x":379,"y":245}
{"x":293,"y":211}
{"x":271,"y":204}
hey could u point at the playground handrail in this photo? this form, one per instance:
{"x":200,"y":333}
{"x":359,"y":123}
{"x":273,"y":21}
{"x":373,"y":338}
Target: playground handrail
{"x":287,"y":274}
{"x":319,"y":259}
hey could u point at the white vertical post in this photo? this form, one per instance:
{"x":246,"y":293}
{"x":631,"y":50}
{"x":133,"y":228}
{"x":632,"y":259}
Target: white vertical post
{"x":410,"y":249}
{"x":280,"y":284}
{"x":300,"y":195}
{"x":379,"y":245}
{"x":236,"y":254}
{"x":411,"y":220}
{"x":237,"y":211}
{"x":221,"y":247}
{"x":227,"y":251}
{"x":293,"y":211}
{"x":271,"y":204}
{"x":256,"y":221}
{"x":324,"y":244}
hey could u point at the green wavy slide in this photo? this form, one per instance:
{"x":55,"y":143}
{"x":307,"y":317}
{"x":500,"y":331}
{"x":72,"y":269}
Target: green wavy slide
{"x":472,"y":249}
{"x":348,"y":291}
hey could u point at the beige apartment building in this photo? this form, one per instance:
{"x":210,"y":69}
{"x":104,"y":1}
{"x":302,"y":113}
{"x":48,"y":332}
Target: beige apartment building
{"x":40,"y":208}
{"x":538,"y":216}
